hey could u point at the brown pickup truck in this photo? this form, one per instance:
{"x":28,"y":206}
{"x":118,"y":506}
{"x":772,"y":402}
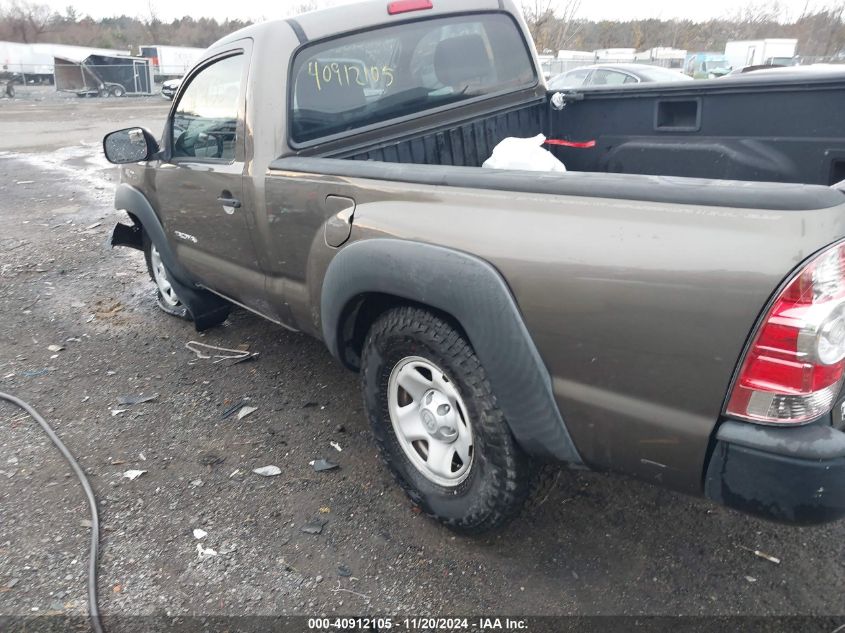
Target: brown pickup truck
{"x":672,"y":308}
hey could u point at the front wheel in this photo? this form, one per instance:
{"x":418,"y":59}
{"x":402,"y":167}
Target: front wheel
{"x":166,"y":297}
{"x":438,"y":425}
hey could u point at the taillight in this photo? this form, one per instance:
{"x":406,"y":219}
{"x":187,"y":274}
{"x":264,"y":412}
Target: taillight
{"x":794,"y":368}
{"x":404,"y":6}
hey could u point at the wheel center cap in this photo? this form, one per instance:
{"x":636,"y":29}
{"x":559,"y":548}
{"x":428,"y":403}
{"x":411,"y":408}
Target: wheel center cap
{"x":429,"y":421}
{"x":438,"y":416}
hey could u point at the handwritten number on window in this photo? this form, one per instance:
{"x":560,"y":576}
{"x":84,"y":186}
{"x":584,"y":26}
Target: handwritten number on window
{"x":350,"y":74}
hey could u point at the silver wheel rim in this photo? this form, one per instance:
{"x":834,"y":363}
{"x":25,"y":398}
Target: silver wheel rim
{"x":165,"y":289}
{"x":430,"y":421}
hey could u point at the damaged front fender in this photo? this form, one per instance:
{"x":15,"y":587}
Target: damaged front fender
{"x":129,"y":236}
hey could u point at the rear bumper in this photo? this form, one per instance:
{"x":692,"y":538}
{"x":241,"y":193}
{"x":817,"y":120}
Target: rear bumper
{"x":791,"y":475}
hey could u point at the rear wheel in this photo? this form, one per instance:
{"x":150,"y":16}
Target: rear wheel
{"x":437,"y":423}
{"x":118,"y":91}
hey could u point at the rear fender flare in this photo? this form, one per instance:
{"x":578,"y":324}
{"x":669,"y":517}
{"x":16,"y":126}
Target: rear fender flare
{"x":475,"y":294}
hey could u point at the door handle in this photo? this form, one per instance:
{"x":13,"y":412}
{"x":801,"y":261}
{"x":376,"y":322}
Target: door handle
{"x":229,"y":203}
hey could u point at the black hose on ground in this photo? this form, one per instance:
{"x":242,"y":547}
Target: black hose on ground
{"x":93,"y":608}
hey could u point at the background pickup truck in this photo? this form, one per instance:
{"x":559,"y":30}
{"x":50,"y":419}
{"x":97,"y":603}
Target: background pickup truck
{"x":641,"y":313}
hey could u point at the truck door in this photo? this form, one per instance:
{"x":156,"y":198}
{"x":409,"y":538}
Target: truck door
{"x":200,"y":182}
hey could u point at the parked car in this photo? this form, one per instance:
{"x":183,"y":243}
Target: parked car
{"x":614,"y":75}
{"x":170,"y":87}
{"x":673,"y":308}
{"x":707,"y":65}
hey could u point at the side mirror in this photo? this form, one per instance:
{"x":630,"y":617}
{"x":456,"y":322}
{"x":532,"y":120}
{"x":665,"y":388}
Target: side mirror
{"x":132,"y":145}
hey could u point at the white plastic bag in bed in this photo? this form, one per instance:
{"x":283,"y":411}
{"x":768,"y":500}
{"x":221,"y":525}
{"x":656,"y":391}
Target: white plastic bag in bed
{"x":524,"y":153}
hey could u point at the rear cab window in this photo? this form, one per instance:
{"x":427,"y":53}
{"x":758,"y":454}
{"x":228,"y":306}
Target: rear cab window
{"x":352,"y":82}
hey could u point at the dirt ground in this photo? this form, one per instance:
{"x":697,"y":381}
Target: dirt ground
{"x":594,"y":545}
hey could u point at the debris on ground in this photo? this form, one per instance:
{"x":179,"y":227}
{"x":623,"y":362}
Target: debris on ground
{"x":203,"y":552}
{"x":35,"y":373}
{"x":336,"y":447}
{"x":245,"y":411}
{"x":132,"y":475}
{"x":196,"y":483}
{"x":315,"y":525}
{"x":343,"y":571}
{"x":763,"y":555}
{"x":115,"y":412}
{"x":228,"y":413}
{"x":55,"y":348}
{"x":339,"y":589}
{"x":751,"y":579}
{"x":238,"y":355}
{"x":132,"y":400}
{"x":200,"y":534}
{"x":267,"y":471}
{"x":320,"y":465}
{"x":211,"y":459}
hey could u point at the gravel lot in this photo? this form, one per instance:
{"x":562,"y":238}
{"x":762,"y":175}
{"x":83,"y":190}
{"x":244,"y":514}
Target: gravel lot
{"x":593,"y":545}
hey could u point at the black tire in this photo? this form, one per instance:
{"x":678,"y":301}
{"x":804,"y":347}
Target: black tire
{"x":500,"y":476}
{"x":117,"y":91}
{"x":180,"y":311}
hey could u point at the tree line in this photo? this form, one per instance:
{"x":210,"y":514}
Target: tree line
{"x":554,"y":24}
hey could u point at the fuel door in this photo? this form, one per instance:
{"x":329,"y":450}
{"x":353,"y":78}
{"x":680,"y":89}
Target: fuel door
{"x":341,"y":213}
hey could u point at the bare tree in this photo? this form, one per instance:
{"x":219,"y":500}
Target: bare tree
{"x":552,"y":23}
{"x":28,"y":21}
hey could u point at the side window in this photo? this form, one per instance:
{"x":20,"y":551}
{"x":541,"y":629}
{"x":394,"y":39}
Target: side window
{"x":206,"y":118}
{"x":604,"y":77}
{"x":577,"y":77}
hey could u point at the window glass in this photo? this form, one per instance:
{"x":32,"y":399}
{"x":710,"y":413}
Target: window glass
{"x":604,"y":77}
{"x":577,"y":77}
{"x":206,"y":118}
{"x":367,"y":78}
{"x":570,"y":79}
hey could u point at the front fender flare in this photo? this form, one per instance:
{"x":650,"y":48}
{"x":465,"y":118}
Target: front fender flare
{"x":475,"y":294}
{"x":129,"y":199}
{"x":205,"y":308}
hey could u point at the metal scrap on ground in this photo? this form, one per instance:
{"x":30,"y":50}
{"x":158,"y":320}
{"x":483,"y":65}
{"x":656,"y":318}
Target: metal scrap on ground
{"x":131,"y":400}
{"x":246,"y":411}
{"x":237,"y":355}
{"x":322,"y":464}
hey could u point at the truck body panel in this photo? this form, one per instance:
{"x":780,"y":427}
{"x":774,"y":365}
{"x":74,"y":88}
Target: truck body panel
{"x":640,"y":290}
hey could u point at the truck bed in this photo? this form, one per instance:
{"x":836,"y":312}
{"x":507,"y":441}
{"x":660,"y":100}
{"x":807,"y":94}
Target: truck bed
{"x":719,"y":129}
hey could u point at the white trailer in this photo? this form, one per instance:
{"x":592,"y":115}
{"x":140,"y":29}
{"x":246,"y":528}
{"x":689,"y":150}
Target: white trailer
{"x":619,"y":55}
{"x":742,"y":53}
{"x":662,"y":56}
{"x":170,"y":62}
{"x":34,"y":63}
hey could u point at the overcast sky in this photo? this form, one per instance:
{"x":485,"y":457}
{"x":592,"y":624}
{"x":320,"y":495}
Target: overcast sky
{"x":261,"y":9}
